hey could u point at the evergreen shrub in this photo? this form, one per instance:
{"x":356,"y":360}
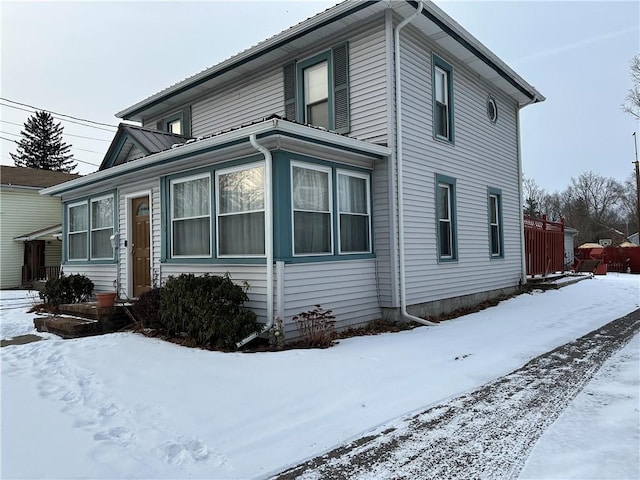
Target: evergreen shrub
{"x":74,"y":288}
{"x":207,"y":310}
{"x":147,"y":309}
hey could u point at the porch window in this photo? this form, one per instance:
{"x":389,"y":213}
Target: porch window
{"x":78,"y":231}
{"x":495,"y":223}
{"x":353,"y":209}
{"x":446,"y":218}
{"x":312,"y":211}
{"x":102,"y":221}
{"x":191,"y":217}
{"x":241,"y":211}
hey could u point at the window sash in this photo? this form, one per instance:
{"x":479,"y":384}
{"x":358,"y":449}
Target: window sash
{"x":445,"y":224}
{"x":315,"y":86}
{"x":241,"y":211}
{"x":191,"y":217}
{"x":102,"y":227}
{"x":354,"y":213}
{"x":494,"y":224}
{"x":311,"y":210}
{"x":78,"y":231}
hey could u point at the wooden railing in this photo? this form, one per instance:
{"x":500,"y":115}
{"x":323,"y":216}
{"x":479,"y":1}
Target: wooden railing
{"x":40,"y":273}
{"x":544,"y":245}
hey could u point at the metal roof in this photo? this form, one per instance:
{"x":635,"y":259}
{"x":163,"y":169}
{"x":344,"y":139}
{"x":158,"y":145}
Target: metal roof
{"x":436,"y":24}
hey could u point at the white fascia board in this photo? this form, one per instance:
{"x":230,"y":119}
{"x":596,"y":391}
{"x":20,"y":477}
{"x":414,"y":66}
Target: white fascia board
{"x":271,"y":125}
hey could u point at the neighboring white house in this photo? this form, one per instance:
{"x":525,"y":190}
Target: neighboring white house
{"x":29,"y":249}
{"x":280,"y":166}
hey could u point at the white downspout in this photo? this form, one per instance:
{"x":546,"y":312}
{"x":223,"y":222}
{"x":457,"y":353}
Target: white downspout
{"x":268,"y":235}
{"x":403,"y":289}
{"x":523,"y":252}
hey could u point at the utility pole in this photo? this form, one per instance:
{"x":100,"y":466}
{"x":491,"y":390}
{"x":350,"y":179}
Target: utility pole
{"x":635,"y":141}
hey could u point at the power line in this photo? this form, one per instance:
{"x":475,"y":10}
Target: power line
{"x":62,"y":119}
{"x":76,"y":148}
{"x":56,"y":113}
{"x":73,"y":158}
{"x":65,"y":134}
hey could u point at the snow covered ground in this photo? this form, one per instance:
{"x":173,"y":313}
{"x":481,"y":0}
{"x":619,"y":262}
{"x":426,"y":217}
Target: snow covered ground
{"x":125,"y":406}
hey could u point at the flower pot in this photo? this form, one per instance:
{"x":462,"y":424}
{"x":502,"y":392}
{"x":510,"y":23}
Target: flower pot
{"x":106,"y":299}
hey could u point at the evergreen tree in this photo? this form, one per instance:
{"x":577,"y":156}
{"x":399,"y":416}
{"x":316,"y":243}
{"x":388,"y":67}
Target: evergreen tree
{"x":42,"y":147}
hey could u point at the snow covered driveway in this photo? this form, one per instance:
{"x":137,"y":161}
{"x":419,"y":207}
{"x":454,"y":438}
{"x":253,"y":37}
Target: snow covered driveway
{"x":484,"y":434}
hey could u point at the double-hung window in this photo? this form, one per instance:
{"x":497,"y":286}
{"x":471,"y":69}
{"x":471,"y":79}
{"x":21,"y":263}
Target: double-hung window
{"x":77,"y":233}
{"x":354,"y":212}
{"x":316,"y":90}
{"x":240,"y":208}
{"x":312,"y":209}
{"x":102,"y":221}
{"x":191,"y":216}
{"x":442,"y":99}
{"x":495,"y":223}
{"x":446,"y":218}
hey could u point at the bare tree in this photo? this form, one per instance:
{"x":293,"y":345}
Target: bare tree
{"x":628,"y":205}
{"x":632,"y":104}
{"x":533,"y":197}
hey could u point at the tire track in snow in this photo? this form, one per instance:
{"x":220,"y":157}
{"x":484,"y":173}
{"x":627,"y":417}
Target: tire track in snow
{"x":487,"y":433}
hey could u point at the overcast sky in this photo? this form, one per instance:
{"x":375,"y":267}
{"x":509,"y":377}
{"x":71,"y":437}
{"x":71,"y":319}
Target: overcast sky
{"x":92,"y":59}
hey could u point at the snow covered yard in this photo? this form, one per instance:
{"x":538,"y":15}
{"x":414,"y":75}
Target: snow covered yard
{"x":123,"y":405}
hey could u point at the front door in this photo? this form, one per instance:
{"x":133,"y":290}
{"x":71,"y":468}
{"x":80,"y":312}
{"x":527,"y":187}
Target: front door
{"x":140,"y":248}
{"x":33,"y":260}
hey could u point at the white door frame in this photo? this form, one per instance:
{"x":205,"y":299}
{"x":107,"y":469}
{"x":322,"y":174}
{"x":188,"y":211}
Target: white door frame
{"x":129,"y":237}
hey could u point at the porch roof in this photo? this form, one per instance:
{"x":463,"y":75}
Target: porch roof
{"x":266,"y":128}
{"x":42,"y":233}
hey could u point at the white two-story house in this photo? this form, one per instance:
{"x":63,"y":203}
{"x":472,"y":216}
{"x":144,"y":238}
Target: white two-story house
{"x":366,"y":159}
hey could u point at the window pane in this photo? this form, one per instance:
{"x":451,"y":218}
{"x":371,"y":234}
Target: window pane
{"x":352,"y":193}
{"x":441,"y":86}
{"x":442,"y":126}
{"x":241,"y":234}
{"x":493,"y":209}
{"x":312,"y":232}
{"x":77,"y":246}
{"x":354,"y":233}
{"x":310,"y":189}
{"x":102,"y":213}
{"x":175,"y":127}
{"x":316,"y":85}
{"x":443,"y":202}
{"x":191,"y":198}
{"x":78,"y":218}
{"x":318,"y":114}
{"x":191,"y":237}
{"x":101,"y":243}
{"x":241,"y":191}
{"x":495,"y":240}
{"x":445,"y":239}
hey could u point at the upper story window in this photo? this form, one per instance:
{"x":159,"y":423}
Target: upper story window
{"x":446,"y":218}
{"x":316,"y":90}
{"x":178,"y":123}
{"x":442,"y":99}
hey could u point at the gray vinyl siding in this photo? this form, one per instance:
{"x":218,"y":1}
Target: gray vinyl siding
{"x":348,"y":288}
{"x":484,"y":155}
{"x":102,"y":276}
{"x":262,"y":94}
{"x":382,"y":231}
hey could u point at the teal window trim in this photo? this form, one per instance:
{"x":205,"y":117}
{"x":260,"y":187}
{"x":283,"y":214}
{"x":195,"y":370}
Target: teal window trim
{"x":450,"y":183}
{"x":300,"y":87}
{"x":183,"y":116}
{"x":87,"y":202}
{"x":367,"y":178}
{"x":494,"y":200}
{"x":438,"y":63}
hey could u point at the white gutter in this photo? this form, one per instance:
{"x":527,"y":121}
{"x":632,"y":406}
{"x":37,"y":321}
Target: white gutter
{"x":268,"y":236}
{"x":523,"y":251}
{"x":403,"y":287}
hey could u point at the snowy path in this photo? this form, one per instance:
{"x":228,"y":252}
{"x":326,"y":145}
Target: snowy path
{"x":485,"y":434}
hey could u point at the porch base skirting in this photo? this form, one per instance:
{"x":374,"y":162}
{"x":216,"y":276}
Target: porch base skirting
{"x":447,"y":305}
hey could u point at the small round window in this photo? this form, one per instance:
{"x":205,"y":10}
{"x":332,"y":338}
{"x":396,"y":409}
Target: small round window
{"x":492,"y":109}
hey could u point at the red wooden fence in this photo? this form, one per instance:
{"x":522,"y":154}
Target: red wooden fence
{"x":543,"y":245}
